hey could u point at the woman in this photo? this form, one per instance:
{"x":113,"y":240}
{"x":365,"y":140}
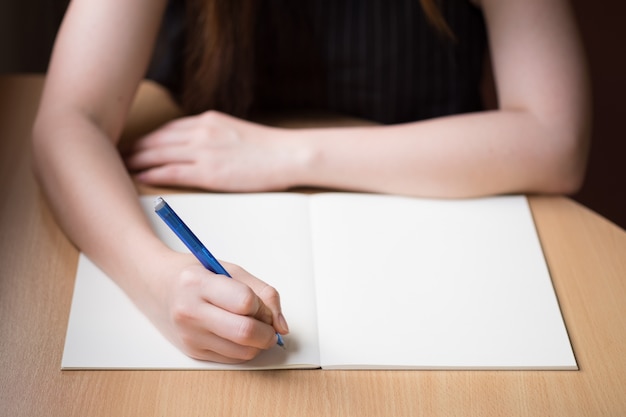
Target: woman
{"x":535,"y":141}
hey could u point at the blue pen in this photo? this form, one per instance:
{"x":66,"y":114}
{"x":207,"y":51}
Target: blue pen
{"x":190,"y":240}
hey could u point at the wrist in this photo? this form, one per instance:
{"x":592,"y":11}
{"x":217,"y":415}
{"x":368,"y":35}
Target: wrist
{"x":154,"y":284}
{"x":145,"y":273}
{"x":298,"y":155}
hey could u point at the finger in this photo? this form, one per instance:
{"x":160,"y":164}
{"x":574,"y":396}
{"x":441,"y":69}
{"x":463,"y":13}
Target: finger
{"x":238,"y":330}
{"x":235,"y":297}
{"x":152,"y":157}
{"x":174,"y":132}
{"x":199,"y":322}
{"x":175,"y":175}
{"x":203,"y":345}
{"x":270,"y":298}
{"x":207,"y":355}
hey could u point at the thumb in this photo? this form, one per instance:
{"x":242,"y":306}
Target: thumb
{"x":271,"y":305}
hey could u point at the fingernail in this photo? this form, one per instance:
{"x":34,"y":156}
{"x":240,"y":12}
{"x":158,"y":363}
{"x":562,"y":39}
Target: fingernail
{"x":282,"y":322}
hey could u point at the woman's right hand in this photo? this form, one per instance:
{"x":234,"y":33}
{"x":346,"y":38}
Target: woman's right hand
{"x":94,"y":71}
{"x":216,"y":318}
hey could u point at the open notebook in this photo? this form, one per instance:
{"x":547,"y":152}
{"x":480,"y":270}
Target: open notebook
{"x":366,"y":282}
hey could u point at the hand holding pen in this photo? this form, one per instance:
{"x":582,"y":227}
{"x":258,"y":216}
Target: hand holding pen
{"x":243,"y":309}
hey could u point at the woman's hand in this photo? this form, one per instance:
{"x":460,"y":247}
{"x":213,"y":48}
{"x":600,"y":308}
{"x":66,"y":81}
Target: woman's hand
{"x":216,"y":318}
{"x":215,"y":151}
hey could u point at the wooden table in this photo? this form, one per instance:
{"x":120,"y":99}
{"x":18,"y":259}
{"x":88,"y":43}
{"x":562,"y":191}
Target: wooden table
{"x":586,"y":255}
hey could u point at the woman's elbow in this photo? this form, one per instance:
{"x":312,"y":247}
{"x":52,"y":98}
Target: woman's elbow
{"x":567,"y":167}
{"x":569,"y":183}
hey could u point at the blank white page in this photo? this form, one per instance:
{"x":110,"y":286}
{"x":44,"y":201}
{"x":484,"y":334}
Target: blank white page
{"x":434,"y":284}
{"x":267,"y":234}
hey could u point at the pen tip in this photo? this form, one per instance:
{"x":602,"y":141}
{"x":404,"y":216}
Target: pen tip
{"x":280,"y":342}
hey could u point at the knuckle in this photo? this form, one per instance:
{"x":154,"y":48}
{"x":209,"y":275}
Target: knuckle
{"x":270,"y":294}
{"x":248,"y":353}
{"x":211,"y":116}
{"x":207,"y":115}
{"x":245,"y":331}
{"x":188,"y":341}
{"x":248,"y":302}
{"x":181,"y":314}
{"x":248,"y":337}
{"x":188,"y":279}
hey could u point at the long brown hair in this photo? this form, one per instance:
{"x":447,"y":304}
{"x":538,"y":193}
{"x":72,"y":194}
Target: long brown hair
{"x":219,"y":58}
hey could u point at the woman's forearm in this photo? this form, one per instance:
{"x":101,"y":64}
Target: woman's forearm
{"x":457,"y":156}
{"x":93,"y":197}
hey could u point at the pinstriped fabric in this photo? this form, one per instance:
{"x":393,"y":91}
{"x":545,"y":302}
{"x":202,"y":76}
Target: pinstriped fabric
{"x":375,"y":59}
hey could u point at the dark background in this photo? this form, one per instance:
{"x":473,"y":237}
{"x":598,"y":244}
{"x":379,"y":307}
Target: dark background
{"x":28,"y":27}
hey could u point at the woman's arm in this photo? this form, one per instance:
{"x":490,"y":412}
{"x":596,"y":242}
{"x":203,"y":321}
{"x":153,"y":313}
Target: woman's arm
{"x":99,"y":58}
{"x":536,"y":141}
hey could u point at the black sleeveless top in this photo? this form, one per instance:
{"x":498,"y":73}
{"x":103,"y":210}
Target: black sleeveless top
{"x":375,"y":59}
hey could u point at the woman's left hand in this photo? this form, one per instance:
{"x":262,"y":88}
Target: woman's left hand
{"x":217,"y":152}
